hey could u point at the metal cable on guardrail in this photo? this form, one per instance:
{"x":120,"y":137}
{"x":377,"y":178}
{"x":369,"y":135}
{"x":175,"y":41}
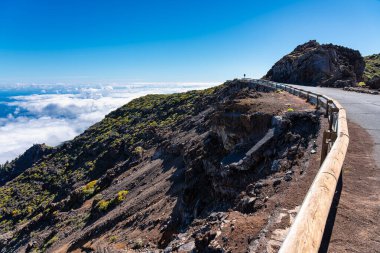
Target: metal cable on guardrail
{"x":305,"y":234}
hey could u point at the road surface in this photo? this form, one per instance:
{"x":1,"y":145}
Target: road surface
{"x":355,"y":211}
{"x":362,"y":109}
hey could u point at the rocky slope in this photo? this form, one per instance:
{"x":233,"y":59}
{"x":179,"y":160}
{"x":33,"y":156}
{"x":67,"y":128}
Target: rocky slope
{"x":315,"y":64}
{"x":10,"y":170}
{"x":182,"y":172}
{"x":371,"y":74}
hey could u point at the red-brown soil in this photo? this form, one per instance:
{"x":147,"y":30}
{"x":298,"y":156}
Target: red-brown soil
{"x":357,"y":223}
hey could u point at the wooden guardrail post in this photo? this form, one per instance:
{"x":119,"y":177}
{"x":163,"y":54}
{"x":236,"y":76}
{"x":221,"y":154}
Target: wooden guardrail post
{"x":324,"y":147}
{"x":327,"y":108}
{"x":317,"y":105}
{"x":328,"y":137}
{"x":334,"y":111}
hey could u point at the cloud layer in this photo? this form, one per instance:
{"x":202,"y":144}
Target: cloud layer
{"x":47,"y":117}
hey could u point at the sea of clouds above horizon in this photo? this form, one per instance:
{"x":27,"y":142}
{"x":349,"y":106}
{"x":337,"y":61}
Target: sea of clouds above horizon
{"x":52,"y":114}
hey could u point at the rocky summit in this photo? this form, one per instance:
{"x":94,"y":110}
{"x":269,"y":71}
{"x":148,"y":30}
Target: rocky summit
{"x":185,"y":172}
{"x":314,"y":64}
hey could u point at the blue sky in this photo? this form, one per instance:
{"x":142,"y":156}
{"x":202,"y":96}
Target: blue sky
{"x":122,"y":41}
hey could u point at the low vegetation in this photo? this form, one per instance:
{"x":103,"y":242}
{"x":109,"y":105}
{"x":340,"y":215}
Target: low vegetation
{"x":372,"y":67}
{"x":371,"y":75}
{"x":78,"y":164}
{"x":105,"y":205}
{"x":89,"y":188}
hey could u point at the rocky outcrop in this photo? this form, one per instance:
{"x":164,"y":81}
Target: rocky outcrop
{"x":362,"y":90}
{"x":374,"y":83}
{"x":12,"y":169}
{"x":314,"y":64}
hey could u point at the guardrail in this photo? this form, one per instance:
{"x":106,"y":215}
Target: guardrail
{"x":305,"y":234}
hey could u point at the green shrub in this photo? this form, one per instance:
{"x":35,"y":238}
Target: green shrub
{"x":16,"y":212}
{"x":121,"y":195}
{"x":89,"y":188}
{"x":90,"y":165}
{"x":29,"y":209}
{"x":113,"y":238}
{"x":138,"y":151}
{"x":103,"y":205}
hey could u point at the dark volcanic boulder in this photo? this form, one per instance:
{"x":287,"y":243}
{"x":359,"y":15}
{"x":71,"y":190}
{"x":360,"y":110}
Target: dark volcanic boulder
{"x":314,"y":64}
{"x":374,"y":83}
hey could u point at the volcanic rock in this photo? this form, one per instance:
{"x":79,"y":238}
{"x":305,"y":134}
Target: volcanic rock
{"x":314,"y":64}
{"x":374,"y":83}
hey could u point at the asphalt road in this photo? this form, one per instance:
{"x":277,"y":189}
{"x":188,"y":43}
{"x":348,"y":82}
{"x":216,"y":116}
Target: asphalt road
{"x":362,"y":109}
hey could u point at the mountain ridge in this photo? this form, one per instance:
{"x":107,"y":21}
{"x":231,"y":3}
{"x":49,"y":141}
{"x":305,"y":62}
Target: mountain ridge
{"x":168,"y":172}
{"x":154,"y":165}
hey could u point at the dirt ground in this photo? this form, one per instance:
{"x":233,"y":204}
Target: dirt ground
{"x":285,"y":205}
{"x":357,"y":222}
{"x":354,"y":220}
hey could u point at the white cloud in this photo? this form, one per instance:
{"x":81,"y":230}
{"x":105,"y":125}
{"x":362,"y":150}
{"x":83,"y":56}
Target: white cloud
{"x":21,"y":133}
{"x":54,"y":118}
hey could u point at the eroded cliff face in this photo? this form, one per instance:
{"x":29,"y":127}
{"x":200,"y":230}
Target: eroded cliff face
{"x":315,"y":64}
{"x":242,"y":147}
{"x":164,"y":172}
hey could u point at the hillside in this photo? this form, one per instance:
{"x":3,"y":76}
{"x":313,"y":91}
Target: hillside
{"x":8,"y":171}
{"x":371,"y":73}
{"x":163,"y":171}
